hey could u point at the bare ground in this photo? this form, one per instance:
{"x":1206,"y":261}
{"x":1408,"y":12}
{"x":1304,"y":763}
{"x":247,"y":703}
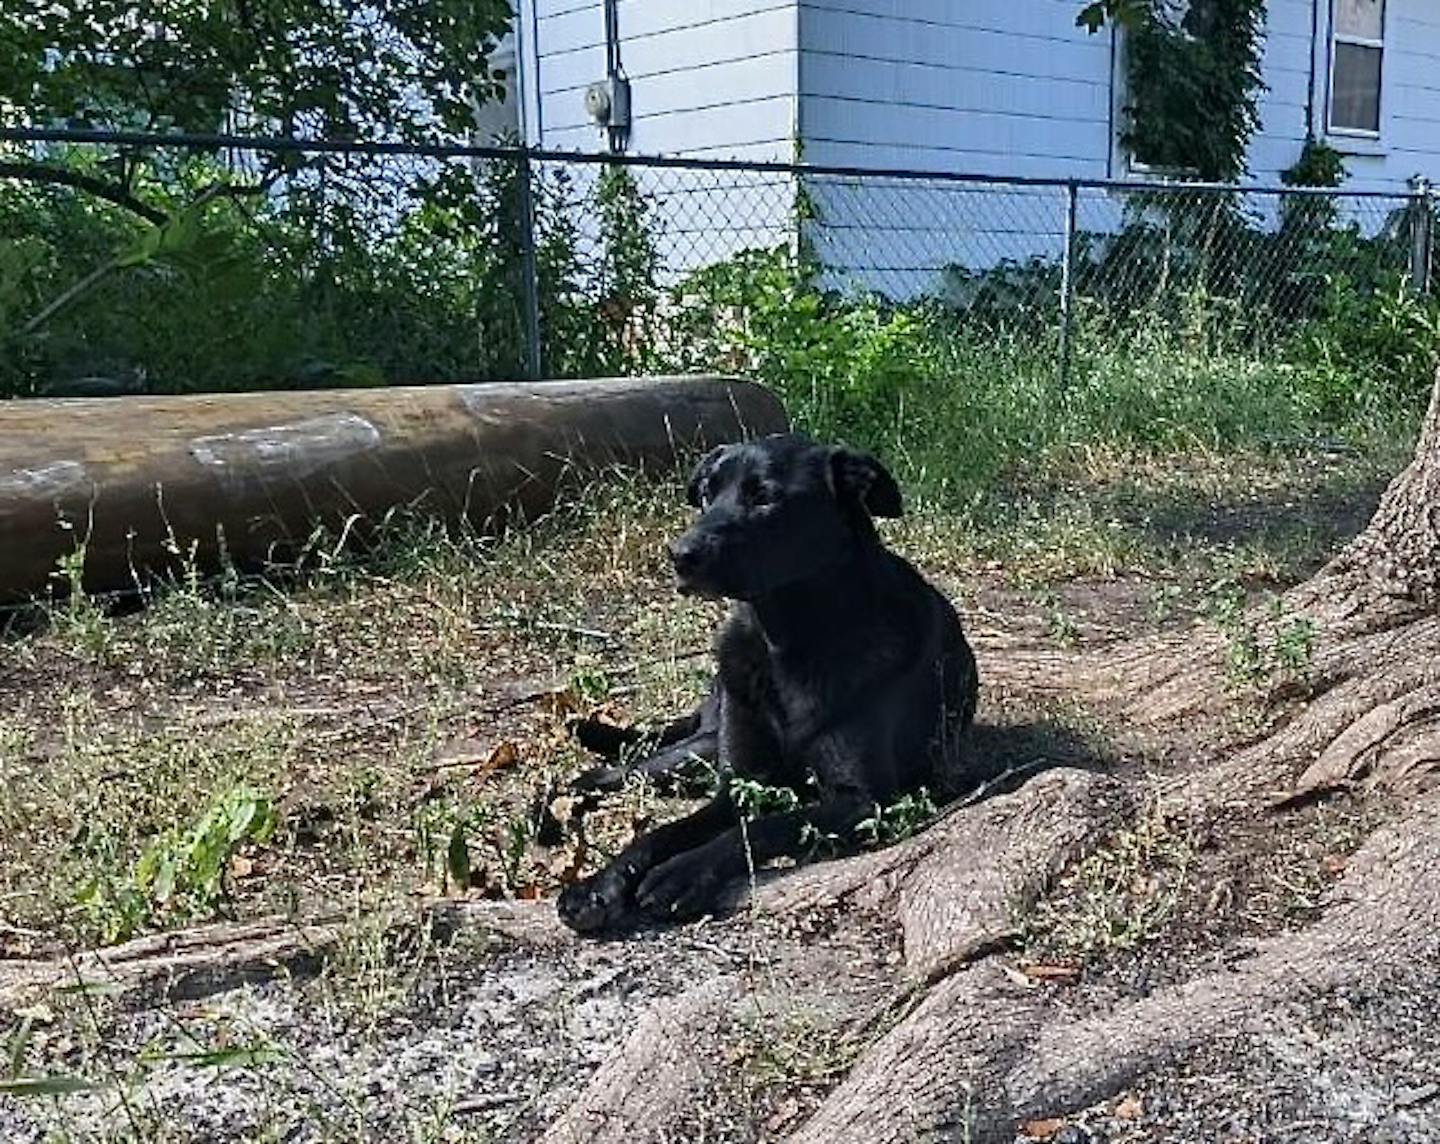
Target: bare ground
{"x":1144,"y":962}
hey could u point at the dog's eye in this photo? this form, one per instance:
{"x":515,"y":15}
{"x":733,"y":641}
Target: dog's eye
{"x":757,"y":495}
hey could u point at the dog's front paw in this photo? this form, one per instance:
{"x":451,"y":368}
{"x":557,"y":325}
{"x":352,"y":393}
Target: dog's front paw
{"x":597,"y":903}
{"x":684,"y":887}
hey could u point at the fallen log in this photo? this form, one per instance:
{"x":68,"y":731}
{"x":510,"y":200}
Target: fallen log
{"x":129,"y":482}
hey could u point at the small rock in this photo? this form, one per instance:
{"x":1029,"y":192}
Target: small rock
{"x":1073,"y":1134}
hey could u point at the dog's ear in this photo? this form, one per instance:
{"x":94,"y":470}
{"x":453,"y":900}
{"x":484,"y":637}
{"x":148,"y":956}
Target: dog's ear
{"x":702,"y":474}
{"x":860,"y":477}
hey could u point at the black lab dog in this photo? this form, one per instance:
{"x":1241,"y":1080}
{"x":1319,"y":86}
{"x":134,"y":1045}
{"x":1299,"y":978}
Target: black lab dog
{"x":843,"y":676}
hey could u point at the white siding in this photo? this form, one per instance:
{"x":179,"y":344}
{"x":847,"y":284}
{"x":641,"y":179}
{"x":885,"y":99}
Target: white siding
{"x":1003,"y":87}
{"x":988,"y":87}
{"x":707,"y":77}
{"x":1285,"y":67}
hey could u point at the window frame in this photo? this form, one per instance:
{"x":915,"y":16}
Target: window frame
{"x":1337,"y":37}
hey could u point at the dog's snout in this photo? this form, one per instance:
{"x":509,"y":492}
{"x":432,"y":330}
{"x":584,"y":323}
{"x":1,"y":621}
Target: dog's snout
{"x":686,"y":553}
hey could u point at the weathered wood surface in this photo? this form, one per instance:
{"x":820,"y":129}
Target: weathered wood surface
{"x":257,"y":472}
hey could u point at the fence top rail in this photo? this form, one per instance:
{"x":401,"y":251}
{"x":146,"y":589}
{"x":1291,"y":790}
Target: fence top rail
{"x":288,"y":144}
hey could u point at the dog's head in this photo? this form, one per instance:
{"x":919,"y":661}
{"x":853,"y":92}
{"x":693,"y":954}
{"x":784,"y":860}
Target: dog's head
{"x":776,"y":511}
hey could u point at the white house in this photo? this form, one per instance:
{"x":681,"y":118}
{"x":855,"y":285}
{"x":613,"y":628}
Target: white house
{"x":986,"y":87}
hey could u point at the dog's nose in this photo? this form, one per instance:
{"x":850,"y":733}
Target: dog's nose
{"x":685,"y":554}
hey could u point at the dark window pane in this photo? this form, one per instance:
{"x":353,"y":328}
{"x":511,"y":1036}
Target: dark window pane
{"x":1355,"y":98}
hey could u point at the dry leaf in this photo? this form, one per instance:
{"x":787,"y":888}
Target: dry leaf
{"x":1128,"y":1107}
{"x":568,"y":870}
{"x":240,"y":866}
{"x":505,"y":754}
{"x":1334,"y":864}
{"x":1064,"y":974}
{"x":563,"y":701}
{"x":1043,"y":1129}
{"x":529,"y":893}
{"x":472,"y":753}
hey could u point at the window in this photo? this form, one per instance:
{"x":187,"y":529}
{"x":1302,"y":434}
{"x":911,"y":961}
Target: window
{"x":1357,"y":43}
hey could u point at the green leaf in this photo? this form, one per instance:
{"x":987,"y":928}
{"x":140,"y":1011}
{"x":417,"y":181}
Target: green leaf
{"x":163,"y":885}
{"x":1091,"y":18}
{"x":250,"y":1056}
{"x":19,"y":1042}
{"x":177,"y":236}
{"x":241,"y":819}
{"x":46,"y":1085}
{"x":457,"y":857}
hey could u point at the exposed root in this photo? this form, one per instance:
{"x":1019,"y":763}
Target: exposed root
{"x":208,"y":959}
{"x":959,"y":887}
{"x":185,"y":963}
{"x":660,"y":1071}
{"x":1396,"y":742}
{"x":955,"y":891}
{"x":1014,"y":1058}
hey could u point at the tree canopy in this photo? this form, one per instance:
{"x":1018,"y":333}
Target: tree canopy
{"x":409,"y":70}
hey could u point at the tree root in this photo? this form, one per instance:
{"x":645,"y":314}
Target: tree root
{"x":950,"y":905}
{"x":184,"y":963}
{"x":1012,"y":1058}
{"x":200,"y":961}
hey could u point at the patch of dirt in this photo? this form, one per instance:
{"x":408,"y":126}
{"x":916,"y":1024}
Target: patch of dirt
{"x":491,"y":1033}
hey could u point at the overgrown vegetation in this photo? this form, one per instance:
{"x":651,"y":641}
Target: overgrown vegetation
{"x":1193,"y":84}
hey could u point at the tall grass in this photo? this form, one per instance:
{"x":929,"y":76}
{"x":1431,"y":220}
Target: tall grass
{"x":965,"y":413}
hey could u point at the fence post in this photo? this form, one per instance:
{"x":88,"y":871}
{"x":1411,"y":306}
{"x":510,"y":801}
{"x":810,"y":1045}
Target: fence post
{"x":529,"y":270}
{"x":1422,"y":233}
{"x":1067,"y":282}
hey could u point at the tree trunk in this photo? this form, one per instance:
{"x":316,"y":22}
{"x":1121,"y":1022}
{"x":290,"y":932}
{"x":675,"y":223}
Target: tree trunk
{"x":249,"y":476}
{"x":1395,"y":563}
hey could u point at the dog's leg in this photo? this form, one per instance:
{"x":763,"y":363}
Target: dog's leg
{"x":671,"y":767}
{"x":607,"y":899}
{"x":610,"y":742}
{"x":690,"y":884}
{"x":679,"y":745}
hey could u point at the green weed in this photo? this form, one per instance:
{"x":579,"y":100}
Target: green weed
{"x":1121,"y":896}
{"x":181,"y":875}
{"x":901,"y":819}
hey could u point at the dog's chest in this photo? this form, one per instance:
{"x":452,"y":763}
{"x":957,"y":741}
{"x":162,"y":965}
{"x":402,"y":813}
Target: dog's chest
{"x":794,"y":699}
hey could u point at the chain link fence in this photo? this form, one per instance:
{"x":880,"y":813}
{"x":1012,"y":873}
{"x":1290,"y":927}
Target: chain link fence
{"x":131,"y":262}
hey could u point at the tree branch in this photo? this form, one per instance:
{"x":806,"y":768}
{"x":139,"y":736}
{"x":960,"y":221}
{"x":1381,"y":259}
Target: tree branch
{"x":60,"y":176}
{"x":214,"y":191}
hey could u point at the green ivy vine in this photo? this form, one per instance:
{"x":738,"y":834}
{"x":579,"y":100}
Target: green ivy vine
{"x":1319,"y":165}
{"x":1194,"y":85}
